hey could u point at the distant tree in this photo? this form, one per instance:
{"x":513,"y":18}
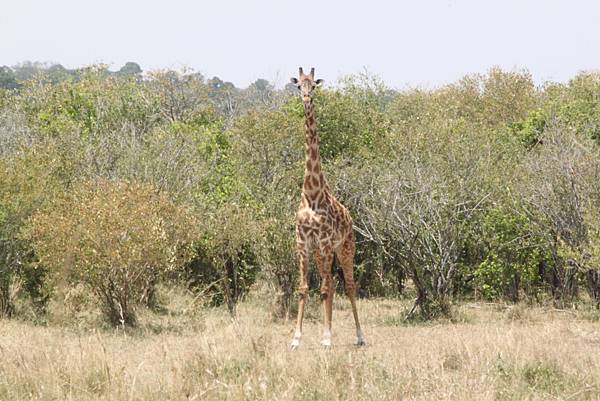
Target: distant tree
{"x":182,"y":96}
{"x":262,"y":85}
{"x":7,"y":78}
{"x":130,"y":69}
{"x":27,"y":70}
{"x":290,"y":89}
{"x":261,"y":93}
{"x":216,"y":84}
{"x":224,"y":95}
{"x":56,"y":73}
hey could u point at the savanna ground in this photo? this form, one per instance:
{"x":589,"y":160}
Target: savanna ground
{"x":486,"y":352}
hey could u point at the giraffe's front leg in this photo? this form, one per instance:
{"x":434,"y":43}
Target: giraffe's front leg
{"x":303,"y":290}
{"x":324,"y":260}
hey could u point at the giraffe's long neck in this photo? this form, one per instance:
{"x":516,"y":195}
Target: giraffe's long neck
{"x":314,"y":180}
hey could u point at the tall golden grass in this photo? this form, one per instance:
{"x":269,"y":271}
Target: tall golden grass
{"x":490,"y":352}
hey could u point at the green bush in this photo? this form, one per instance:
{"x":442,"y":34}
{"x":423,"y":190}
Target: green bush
{"x":529,"y":131}
{"x":117,"y":238}
{"x":29,"y":181}
{"x":345,"y":125}
{"x":577,"y":104}
{"x":226,"y":265}
{"x":514,"y":256}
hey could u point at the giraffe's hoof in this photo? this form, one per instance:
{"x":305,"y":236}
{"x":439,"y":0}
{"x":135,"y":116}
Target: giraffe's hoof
{"x":326,"y":343}
{"x":360,"y":342}
{"x":295,"y":344}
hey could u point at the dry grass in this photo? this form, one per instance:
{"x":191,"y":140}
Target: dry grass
{"x":491,"y":353}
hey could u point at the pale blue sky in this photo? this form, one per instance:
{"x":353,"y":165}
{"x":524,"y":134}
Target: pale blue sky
{"x":407,"y":43}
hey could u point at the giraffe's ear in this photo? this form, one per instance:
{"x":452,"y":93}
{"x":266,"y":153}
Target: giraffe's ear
{"x":319,"y":82}
{"x":294,"y":81}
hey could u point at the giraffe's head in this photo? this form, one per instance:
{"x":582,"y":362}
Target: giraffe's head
{"x":306,"y":83}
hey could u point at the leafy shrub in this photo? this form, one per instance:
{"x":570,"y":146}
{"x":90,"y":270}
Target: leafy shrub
{"x":491,"y":101}
{"x":507,"y":96}
{"x":420,"y":219}
{"x":577,"y":104}
{"x":91,"y":105}
{"x":226,"y":265}
{"x":117,"y":238}
{"x":29,"y":180}
{"x":529,"y":131}
{"x":268,"y":153}
{"x":560,"y":189}
{"x":513,"y":256}
{"x":344,"y":124}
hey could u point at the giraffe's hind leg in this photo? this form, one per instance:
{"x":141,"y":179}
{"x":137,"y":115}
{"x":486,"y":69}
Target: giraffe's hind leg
{"x":324,"y":261}
{"x":302,"y":251}
{"x":345,"y":255}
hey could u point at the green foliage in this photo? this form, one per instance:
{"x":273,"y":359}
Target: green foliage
{"x":227,"y":261}
{"x":491,"y":101}
{"x":130,"y":69}
{"x":513,"y":256}
{"x":345,"y":126}
{"x":91,"y":105}
{"x":179,"y":96}
{"x":345,"y":123}
{"x":529,"y":131}
{"x":577,"y":104}
{"x":267,"y":152}
{"x":507,"y":96}
{"x":28,"y":182}
{"x":8,"y":79}
{"x":488,"y":185}
{"x":115,"y":237}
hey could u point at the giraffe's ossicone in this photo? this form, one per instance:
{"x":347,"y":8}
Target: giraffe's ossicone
{"x":323,"y":225}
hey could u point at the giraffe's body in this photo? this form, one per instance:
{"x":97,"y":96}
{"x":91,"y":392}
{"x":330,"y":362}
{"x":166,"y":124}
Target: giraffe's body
{"x":323,"y":226}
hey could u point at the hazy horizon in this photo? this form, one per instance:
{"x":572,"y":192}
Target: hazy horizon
{"x":427,"y":44}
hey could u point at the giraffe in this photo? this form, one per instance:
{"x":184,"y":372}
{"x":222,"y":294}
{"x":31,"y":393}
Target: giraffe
{"x":323,"y":226}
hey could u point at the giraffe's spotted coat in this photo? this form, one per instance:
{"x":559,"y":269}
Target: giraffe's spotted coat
{"x":323,"y":226}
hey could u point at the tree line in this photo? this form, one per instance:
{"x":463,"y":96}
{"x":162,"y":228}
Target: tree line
{"x":114,"y":182}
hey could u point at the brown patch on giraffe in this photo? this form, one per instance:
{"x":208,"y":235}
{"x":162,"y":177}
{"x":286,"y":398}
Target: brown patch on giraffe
{"x":313,"y":153}
{"x":309,"y":165}
{"x":315,"y":181}
{"x":307,"y":183}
